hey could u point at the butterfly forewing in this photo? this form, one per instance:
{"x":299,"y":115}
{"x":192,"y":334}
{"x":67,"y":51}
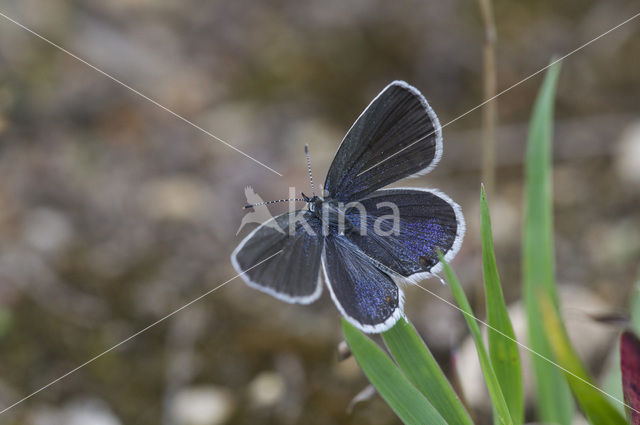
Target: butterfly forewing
{"x":397,"y":136}
{"x":293,"y":273}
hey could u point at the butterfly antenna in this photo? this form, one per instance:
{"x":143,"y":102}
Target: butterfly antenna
{"x":306,"y":152}
{"x":271,"y":202}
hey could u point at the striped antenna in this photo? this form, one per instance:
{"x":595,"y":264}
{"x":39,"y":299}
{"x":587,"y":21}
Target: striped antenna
{"x":271,"y":202}
{"x":306,"y":152}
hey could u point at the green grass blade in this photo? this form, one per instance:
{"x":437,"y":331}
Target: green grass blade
{"x":612,"y":383}
{"x":503,"y":351}
{"x":554,"y":401}
{"x":594,"y":403}
{"x":405,"y":400}
{"x":499,"y":402}
{"x":419,"y":365}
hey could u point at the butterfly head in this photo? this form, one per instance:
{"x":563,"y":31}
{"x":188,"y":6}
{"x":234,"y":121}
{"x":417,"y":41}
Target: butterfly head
{"x":314,"y":202}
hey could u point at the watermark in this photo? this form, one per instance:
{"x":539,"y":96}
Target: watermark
{"x":323,"y":215}
{"x":260,"y":213}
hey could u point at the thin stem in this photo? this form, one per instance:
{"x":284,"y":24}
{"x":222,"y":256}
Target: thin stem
{"x":490,"y":111}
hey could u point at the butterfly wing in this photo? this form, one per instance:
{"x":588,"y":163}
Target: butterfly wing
{"x":293,"y":275}
{"x":428,"y":221}
{"x":398,"y":135}
{"x":366,"y":295}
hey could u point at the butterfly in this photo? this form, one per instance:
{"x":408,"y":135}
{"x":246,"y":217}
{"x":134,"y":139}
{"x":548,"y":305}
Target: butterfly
{"x":365,"y":261}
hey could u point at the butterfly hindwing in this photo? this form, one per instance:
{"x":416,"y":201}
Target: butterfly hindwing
{"x":362,"y":290}
{"x":428,"y":221}
{"x":397,"y":136}
{"x":292,"y":275}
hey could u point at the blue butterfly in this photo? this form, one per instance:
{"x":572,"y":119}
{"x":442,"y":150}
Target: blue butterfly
{"x":397,"y":136}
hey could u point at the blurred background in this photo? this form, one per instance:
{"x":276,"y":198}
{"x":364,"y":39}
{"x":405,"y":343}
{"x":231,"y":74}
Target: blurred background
{"x":114,"y":213}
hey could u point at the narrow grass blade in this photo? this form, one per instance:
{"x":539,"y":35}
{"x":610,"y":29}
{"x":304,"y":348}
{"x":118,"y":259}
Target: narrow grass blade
{"x":503,"y":351}
{"x":630,"y":367}
{"x":497,"y":397}
{"x":612,"y":383}
{"x":554,"y":401}
{"x":405,"y":400}
{"x":418,"y":364}
{"x":593,"y":402}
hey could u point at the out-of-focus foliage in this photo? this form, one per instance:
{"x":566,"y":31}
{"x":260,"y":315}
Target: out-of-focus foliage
{"x":538,"y":269}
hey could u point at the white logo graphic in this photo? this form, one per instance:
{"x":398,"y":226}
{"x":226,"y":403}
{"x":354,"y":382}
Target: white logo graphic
{"x":260,"y":213}
{"x":335,"y":215}
{"x":340,"y":218}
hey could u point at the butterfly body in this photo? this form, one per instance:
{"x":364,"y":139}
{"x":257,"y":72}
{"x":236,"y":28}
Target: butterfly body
{"x":363,"y":239}
{"x":331,"y":215}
